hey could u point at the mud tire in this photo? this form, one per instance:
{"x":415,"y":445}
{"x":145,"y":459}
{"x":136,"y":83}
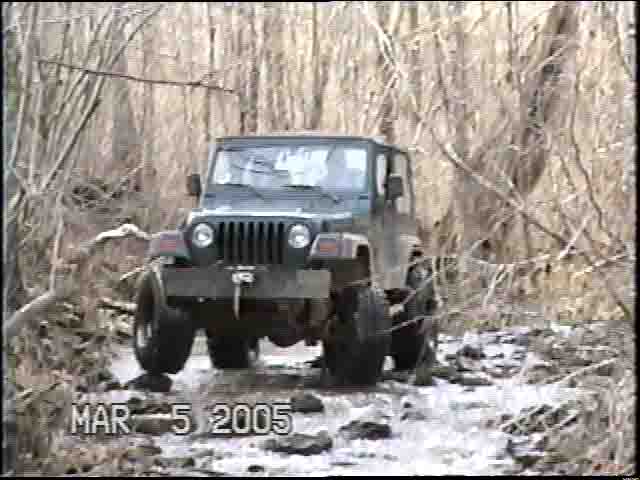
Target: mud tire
{"x":231,"y":352}
{"x":162,"y":335}
{"x":355,"y":351}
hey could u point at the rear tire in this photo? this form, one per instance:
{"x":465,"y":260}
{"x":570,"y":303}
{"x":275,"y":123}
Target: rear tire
{"x":230,"y":351}
{"x":407,"y":342}
{"x":356,"y":350}
{"x":162,"y":336}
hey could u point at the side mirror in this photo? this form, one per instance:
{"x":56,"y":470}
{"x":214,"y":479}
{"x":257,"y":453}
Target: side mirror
{"x":194,"y":185}
{"x":395,"y":186}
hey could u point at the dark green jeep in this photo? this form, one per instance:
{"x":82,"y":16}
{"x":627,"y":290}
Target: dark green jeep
{"x":296,"y":237}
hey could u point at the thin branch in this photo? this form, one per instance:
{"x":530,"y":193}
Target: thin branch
{"x":453,"y":158}
{"x":202,"y":83}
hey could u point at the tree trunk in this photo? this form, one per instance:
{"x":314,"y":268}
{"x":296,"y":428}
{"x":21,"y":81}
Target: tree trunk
{"x":385,"y":71}
{"x":125,"y":140}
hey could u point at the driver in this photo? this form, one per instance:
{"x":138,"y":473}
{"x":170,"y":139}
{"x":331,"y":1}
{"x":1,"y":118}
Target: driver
{"x":338,"y":175}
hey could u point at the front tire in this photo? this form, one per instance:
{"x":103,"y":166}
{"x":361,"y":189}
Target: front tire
{"x":162,"y":336}
{"x":357,"y":348}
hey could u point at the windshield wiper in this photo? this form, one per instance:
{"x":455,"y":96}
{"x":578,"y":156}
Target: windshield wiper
{"x":250,"y":187}
{"x":318,"y":188}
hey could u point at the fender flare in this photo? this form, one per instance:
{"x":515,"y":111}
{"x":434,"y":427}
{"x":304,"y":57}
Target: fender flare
{"x":333,"y":246}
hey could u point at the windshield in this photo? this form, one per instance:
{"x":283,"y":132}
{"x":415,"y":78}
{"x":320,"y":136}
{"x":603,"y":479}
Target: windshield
{"x":327,"y":166}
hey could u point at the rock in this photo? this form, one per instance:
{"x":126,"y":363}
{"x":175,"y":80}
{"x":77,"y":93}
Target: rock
{"x":255,"y":468}
{"x":496,"y":372}
{"x":317,"y":362}
{"x":388,"y":456}
{"x":450,"y":356}
{"x":499,"y":420}
{"x":496,"y":355}
{"x":464,"y":364}
{"x":522,"y":340}
{"x":138,"y":405}
{"x":524,"y":455}
{"x":444,"y":371}
{"x":153,"y":383}
{"x":373,"y":426}
{"x":424,"y":376}
{"x":407,"y":404}
{"x":109,"y":386}
{"x":508,"y":339}
{"x":460,"y":405}
{"x":306,"y":403}
{"x":469,"y":380}
{"x":397,"y":376}
{"x":472,"y":351}
{"x":177,"y":462}
{"x":300,"y":444}
{"x":152,"y":424}
{"x":416,"y":415}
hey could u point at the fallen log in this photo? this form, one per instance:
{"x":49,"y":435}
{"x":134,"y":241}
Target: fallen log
{"x":78,"y":259}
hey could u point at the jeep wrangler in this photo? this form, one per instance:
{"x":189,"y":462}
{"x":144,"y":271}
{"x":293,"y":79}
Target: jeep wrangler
{"x":295,"y":237}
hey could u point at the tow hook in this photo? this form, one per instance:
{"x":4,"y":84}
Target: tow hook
{"x":239,"y":279}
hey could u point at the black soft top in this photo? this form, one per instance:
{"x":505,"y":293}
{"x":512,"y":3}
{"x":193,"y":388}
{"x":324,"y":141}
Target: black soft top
{"x":283,"y":137}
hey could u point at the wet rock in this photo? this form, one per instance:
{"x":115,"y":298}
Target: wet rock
{"x":499,"y":420}
{"x":496,"y":372}
{"x":465,"y":364}
{"x":471,"y":405}
{"x":139,"y":406}
{"x":522,"y":340}
{"x":373,"y":426}
{"x":397,"y":376}
{"x":472,"y":351}
{"x":153,"y":383}
{"x":105,"y":375}
{"x":109,"y":386}
{"x":496,"y":355}
{"x":416,"y":415}
{"x":388,"y":456}
{"x":470,"y":380}
{"x":144,"y":450}
{"x":424,"y":376}
{"x":508,"y":339}
{"x":450,"y":356}
{"x":523,"y":454}
{"x":444,"y":371}
{"x":306,"y":403}
{"x":177,"y":462}
{"x":343,"y":463}
{"x":255,"y":468}
{"x":152,"y":424}
{"x":300,"y":444}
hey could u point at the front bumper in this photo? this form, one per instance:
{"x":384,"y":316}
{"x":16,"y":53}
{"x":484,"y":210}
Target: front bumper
{"x":216,"y":282}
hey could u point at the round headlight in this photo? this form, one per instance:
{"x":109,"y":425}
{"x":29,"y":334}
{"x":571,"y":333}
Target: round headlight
{"x":299,"y":236}
{"x":202,"y":235}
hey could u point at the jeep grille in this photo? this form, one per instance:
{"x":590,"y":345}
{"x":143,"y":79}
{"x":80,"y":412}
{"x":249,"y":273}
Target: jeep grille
{"x":250,"y":243}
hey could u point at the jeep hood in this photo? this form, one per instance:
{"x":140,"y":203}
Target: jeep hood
{"x":312,"y":206}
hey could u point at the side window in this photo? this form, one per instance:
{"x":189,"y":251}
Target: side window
{"x":401,"y":167}
{"x":381,"y":173}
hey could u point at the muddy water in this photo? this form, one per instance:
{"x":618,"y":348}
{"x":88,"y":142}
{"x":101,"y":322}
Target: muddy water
{"x":452,"y":438}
